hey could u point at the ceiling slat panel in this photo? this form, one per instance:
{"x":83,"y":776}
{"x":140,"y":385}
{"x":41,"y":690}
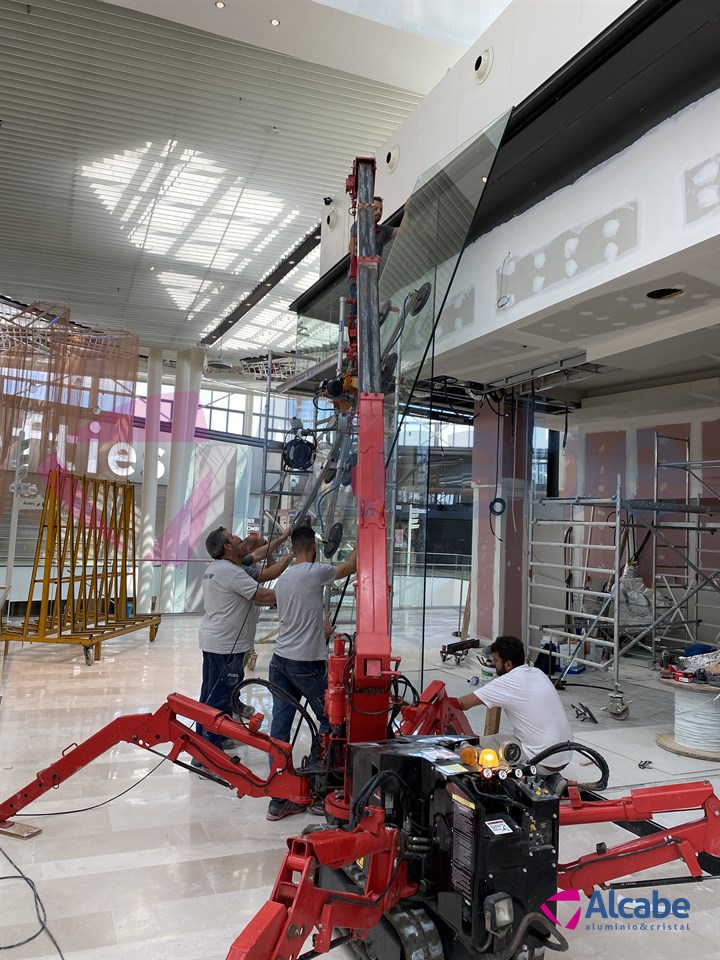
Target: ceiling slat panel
{"x":141,"y":179}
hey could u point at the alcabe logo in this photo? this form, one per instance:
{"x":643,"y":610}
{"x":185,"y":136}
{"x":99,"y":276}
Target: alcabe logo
{"x":573,"y":895}
{"x":623,"y":913}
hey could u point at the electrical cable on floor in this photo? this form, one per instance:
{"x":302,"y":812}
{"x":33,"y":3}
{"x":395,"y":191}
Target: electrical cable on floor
{"x":39,"y":910}
{"x":62,"y":813}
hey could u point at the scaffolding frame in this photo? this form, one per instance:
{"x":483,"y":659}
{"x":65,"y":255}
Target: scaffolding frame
{"x":579,"y":625}
{"x":702,"y":578}
{"x":698,"y":522}
{"x":694,"y":547}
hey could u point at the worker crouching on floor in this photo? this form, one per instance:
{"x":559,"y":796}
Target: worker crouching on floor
{"x":530,"y":701}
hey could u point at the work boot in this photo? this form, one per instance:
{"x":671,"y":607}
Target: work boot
{"x":279,"y":809}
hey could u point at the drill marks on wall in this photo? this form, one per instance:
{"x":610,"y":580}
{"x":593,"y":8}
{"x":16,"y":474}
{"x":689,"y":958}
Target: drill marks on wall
{"x":568,"y":255}
{"x":459,"y":312}
{"x":629,"y":308}
{"x":702,"y":189}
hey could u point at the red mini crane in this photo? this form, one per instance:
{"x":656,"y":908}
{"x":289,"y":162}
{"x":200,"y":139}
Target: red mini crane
{"x":433,"y":848}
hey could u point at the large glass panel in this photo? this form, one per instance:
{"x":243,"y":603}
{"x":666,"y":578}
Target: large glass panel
{"x":423,"y":256}
{"x":427,"y":250}
{"x":437,"y":219}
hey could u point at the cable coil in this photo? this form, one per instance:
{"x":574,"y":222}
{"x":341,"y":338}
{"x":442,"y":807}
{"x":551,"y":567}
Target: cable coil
{"x":697,"y":725}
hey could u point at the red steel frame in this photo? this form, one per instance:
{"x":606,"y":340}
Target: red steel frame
{"x":359,"y":686}
{"x":298,"y":908}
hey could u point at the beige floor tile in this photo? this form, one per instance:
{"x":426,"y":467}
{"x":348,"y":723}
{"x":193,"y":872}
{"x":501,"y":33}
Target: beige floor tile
{"x":174,"y":869}
{"x":95,"y":929}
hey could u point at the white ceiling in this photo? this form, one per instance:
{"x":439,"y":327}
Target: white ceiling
{"x":457,"y":22}
{"x":640,"y":347}
{"x":151,"y":173}
{"x":319,"y":34}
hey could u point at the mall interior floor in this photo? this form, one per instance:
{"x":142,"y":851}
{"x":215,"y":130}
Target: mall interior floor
{"x":176,"y":867}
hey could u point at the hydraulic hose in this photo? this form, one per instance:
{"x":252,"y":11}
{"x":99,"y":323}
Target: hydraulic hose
{"x":597,"y":758}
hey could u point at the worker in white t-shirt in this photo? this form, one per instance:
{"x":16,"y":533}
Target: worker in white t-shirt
{"x":299,"y":663}
{"x":530,"y":701}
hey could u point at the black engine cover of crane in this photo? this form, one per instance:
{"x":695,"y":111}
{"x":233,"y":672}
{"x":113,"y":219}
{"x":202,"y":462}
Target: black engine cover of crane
{"x":466,"y":838}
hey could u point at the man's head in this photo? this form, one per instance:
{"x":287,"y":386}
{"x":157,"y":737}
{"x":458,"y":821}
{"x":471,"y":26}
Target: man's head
{"x":223,"y":545}
{"x":251,"y":542}
{"x":378,"y":205}
{"x":507,"y":652}
{"x":304,"y":543}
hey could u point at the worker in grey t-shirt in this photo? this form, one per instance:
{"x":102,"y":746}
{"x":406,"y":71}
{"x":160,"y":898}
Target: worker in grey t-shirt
{"x":227,"y":631}
{"x":299,"y":664}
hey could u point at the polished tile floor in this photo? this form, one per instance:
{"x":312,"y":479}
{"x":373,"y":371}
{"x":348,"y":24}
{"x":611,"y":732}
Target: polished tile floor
{"x":176,"y":867}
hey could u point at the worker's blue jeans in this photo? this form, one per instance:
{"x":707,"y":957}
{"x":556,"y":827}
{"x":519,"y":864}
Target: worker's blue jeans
{"x":221,"y":673}
{"x":352,"y":297}
{"x":298,"y":678}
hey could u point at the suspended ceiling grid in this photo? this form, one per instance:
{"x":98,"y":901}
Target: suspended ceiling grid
{"x":152,"y":174}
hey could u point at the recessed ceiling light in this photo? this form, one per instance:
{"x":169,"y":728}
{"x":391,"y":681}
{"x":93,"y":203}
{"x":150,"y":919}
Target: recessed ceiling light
{"x":274,"y":23}
{"x":219,"y":4}
{"x":665,"y":293}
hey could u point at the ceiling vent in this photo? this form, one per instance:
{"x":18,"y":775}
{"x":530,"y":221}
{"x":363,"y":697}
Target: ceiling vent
{"x":392,"y":157}
{"x":665,"y":293}
{"x":483,"y":65}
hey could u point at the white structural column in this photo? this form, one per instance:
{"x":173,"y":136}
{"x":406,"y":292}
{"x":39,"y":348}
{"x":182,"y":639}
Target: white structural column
{"x":248,"y":415}
{"x":150,"y":479}
{"x":185,"y":515}
{"x":177,"y":483}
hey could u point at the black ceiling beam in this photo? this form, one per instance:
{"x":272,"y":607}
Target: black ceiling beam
{"x":262,"y":289}
{"x":654,"y":60}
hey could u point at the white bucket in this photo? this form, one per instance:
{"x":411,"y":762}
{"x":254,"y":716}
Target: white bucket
{"x":565,"y":650}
